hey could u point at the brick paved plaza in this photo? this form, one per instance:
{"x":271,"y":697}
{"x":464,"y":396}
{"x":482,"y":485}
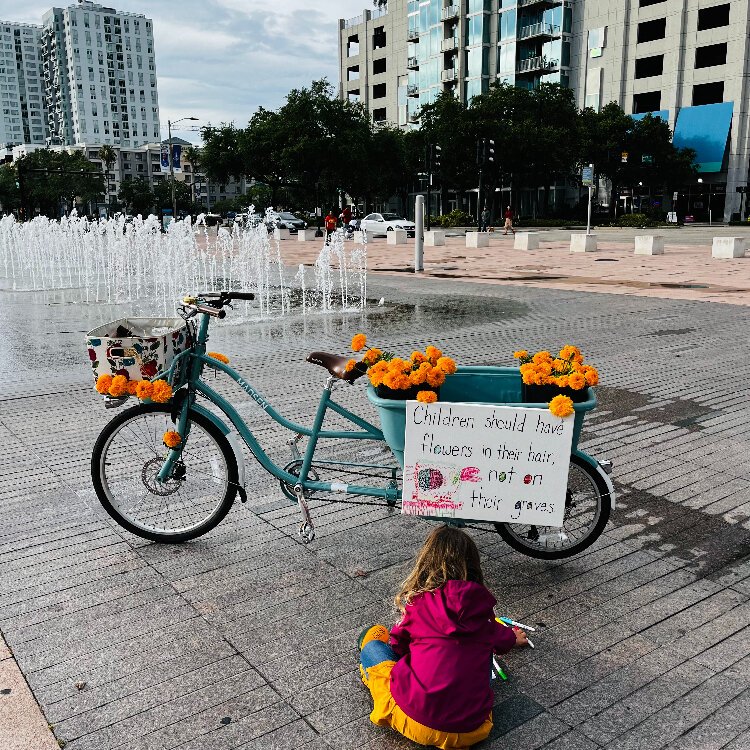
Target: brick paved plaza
{"x":247,"y":639}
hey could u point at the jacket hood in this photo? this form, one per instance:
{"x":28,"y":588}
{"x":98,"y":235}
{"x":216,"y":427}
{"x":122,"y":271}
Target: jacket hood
{"x":457,"y":607}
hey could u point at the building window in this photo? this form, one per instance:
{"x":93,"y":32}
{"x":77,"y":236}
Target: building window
{"x":378,"y":91}
{"x":594,"y":89}
{"x":646,"y":3}
{"x":708,"y":93}
{"x":597,"y":41}
{"x":378,"y":38}
{"x":379,"y":66}
{"x":379,"y":115}
{"x":646,"y":67}
{"x":352,"y":73}
{"x":713,"y":54}
{"x":649,"y":101}
{"x":649,"y":31}
{"x":713,"y":18}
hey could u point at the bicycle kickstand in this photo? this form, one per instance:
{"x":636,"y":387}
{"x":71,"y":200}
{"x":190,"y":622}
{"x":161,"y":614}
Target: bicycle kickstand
{"x":306,"y":528}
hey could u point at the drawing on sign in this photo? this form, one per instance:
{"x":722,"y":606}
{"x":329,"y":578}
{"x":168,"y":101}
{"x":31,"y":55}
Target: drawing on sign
{"x":486,"y":463}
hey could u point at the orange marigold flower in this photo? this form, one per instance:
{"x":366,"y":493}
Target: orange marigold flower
{"x":592,"y":376}
{"x":561,"y":406}
{"x":568,"y":352}
{"x":521,"y":354}
{"x":358,"y":342}
{"x":372,"y":356}
{"x":119,"y":386}
{"x":562,"y":381}
{"x":427,"y":397}
{"x":221,"y":357}
{"x":577,"y":381}
{"x":560,"y":365}
{"x":418,"y":377}
{"x":545,"y":368}
{"x":528,"y":377}
{"x":446,"y":365}
{"x":540,"y":357}
{"x":350,"y":365}
{"x":418,"y":357}
{"x":144,"y":389}
{"x":161,"y":392}
{"x":171,"y":439}
{"x":132,"y":387}
{"x":376,"y":376}
{"x":433,"y":354}
{"x":435,"y":377}
{"x":103,"y":383}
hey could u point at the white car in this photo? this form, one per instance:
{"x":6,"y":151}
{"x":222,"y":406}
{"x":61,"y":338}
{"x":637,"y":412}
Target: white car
{"x":382,"y":223}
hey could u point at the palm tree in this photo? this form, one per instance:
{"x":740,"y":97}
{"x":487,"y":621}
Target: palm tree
{"x":109,"y":157}
{"x":193,"y":155}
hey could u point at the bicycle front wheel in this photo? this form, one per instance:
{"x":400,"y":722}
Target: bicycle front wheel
{"x":127,"y":458}
{"x":587,"y":506}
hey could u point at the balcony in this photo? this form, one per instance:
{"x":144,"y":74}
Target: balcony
{"x":449,"y":13}
{"x":537,"y":30}
{"x":447,"y":45}
{"x":545,"y":3}
{"x":537,"y":64}
{"x":449,"y":75}
{"x":413,"y":35}
{"x":412,"y":90}
{"x":412,"y":63}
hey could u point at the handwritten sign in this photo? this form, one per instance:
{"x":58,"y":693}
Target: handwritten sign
{"x":486,"y":463}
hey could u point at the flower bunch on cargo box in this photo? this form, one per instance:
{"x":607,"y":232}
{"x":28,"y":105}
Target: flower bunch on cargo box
{"x":119,"y":386}
{"x":424,"y":370}
{"x":566,"y":370}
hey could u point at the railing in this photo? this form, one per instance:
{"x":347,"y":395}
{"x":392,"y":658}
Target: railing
{"x":532,"y":64}
{"x":450,"y":12}
{"x":538,"y":29}
{"x":448,"y":44}
{"x":412,"y":63}
{"x":354,"y":21}
{"x":412,"y":90}
{"x":413,"y":35}
{"x":379,"y":12}
{"x":525,"y":3}
{"x":449,"y":75}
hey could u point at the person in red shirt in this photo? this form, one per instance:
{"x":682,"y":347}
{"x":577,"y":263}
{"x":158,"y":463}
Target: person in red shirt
{"x":346,"y":219}
{"x":331,"y":223}
{"x":509,"y":220}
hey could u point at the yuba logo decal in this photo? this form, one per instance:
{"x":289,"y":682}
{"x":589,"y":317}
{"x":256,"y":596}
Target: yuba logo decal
{"x":255,"y":396}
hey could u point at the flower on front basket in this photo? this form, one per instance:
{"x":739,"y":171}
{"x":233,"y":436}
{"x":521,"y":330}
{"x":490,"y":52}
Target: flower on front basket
{"x":119,"y":386}
{"x":561,"y":406}
{"x":161,"y":392}
{"x":358,"y":342}
{"x":132,"y":387}
{"x":427,"y":397}
{"x":220,"y":357}
{"x":144,"y":390}
{"x":577,"y":381}
{"x":433,"y":354}
{"x":172,"y":439}
{"x":104,"y":383}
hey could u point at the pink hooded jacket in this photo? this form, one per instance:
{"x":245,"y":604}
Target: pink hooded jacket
{"x":446,"y":639}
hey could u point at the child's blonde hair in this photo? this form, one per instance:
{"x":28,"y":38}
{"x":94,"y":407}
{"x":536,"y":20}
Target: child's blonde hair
{"x":448,"y":554}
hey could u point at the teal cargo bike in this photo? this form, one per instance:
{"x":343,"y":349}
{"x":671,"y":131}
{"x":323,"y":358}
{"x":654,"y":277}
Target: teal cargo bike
{"x":175,"y":494}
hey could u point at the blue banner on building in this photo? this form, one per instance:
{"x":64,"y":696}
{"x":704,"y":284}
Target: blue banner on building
{"x":176,"y":156}
{"x":165,"y":156}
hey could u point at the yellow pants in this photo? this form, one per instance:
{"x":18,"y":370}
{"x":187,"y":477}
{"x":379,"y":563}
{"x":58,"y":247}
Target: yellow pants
{"x":386,"y":713}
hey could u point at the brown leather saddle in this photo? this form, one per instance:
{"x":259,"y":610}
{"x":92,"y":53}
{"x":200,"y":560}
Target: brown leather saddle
{"x":336,"y":365}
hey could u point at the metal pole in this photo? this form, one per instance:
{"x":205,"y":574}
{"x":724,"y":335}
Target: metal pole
{"x":429,"y":197}
{"x":709,"y":204}
{"x":419,"y":234}
{"x":171,"y":171}
{"x":479,"y":199}
{"x":588,"y":220}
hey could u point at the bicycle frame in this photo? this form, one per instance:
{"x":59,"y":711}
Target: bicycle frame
{"x":198,"y":359}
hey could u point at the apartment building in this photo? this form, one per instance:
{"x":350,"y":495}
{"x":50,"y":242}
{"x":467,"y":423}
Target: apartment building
{"x":683,"y":60}
{"x":24,"y":118}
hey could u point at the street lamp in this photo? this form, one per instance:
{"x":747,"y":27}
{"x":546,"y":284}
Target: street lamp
{"x":171,"y":161}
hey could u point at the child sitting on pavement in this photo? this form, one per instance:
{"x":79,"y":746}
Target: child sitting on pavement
{"x":430,"y":676}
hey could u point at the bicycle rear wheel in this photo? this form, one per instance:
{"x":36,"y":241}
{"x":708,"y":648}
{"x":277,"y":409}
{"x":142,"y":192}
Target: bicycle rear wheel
{"x":587,"y":506}
{"x":127,"y":457}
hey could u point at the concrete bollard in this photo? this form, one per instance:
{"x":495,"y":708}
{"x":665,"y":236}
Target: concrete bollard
{"x":728,"y":247}
{"x":281,"y":234}
{"x":361,"y":236}
{"x":649,"y":244}
{"x":477,"y":239}
{"x":525,"y":241}
{"x":305,"y":235}
{"x":582,"y":243}
{"x":435,"y":238}
{"x":397,"y":237}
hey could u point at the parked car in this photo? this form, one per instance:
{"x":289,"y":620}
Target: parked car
{"x":382,"y":223}
{"x":248,"y":219}
{"x":286,"y":220}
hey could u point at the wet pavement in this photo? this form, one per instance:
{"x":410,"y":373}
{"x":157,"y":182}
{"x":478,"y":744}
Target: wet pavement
{"x":246,"y":638}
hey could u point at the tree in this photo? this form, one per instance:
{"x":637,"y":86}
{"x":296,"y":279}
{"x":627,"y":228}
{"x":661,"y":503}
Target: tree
{"x":51,"y":178}
{"x":137,"y":196}
{"x":182,"y":191}
{"x":108,"y":155}
{"x":9,"y":195}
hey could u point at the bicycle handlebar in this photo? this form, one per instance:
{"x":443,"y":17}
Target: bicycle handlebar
{"x":225,"y":297}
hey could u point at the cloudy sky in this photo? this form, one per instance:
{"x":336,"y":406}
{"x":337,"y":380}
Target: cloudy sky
{"x":221,"y":59}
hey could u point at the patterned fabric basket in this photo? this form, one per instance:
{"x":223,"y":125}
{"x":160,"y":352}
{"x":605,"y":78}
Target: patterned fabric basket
{"x":138,"y":348}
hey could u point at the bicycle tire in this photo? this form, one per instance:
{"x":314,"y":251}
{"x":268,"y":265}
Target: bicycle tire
{"x":530,"y":547}
{"x":149,"y":444}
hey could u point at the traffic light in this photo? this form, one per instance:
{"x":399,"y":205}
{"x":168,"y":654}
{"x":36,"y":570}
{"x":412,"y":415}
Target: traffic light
{"x":436,"y":158}
{"x":490,"y":149}
{"x":485,"y":151}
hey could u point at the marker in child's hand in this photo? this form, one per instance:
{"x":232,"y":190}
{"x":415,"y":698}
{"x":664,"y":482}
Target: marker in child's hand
{"x":515,"y":624}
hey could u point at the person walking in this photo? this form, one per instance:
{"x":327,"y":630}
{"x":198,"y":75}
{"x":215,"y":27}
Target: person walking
{"x":484,"y":221}
{"x":509,"y":220}
{"x":346,"y":220}
{"x":331,"y":222}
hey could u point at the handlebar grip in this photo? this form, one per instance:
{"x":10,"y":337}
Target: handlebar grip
{"x":212,"y":311}
{"x":248,"y":296}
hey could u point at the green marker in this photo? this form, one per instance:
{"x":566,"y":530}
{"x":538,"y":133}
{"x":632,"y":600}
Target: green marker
{"x":498,"y":669}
